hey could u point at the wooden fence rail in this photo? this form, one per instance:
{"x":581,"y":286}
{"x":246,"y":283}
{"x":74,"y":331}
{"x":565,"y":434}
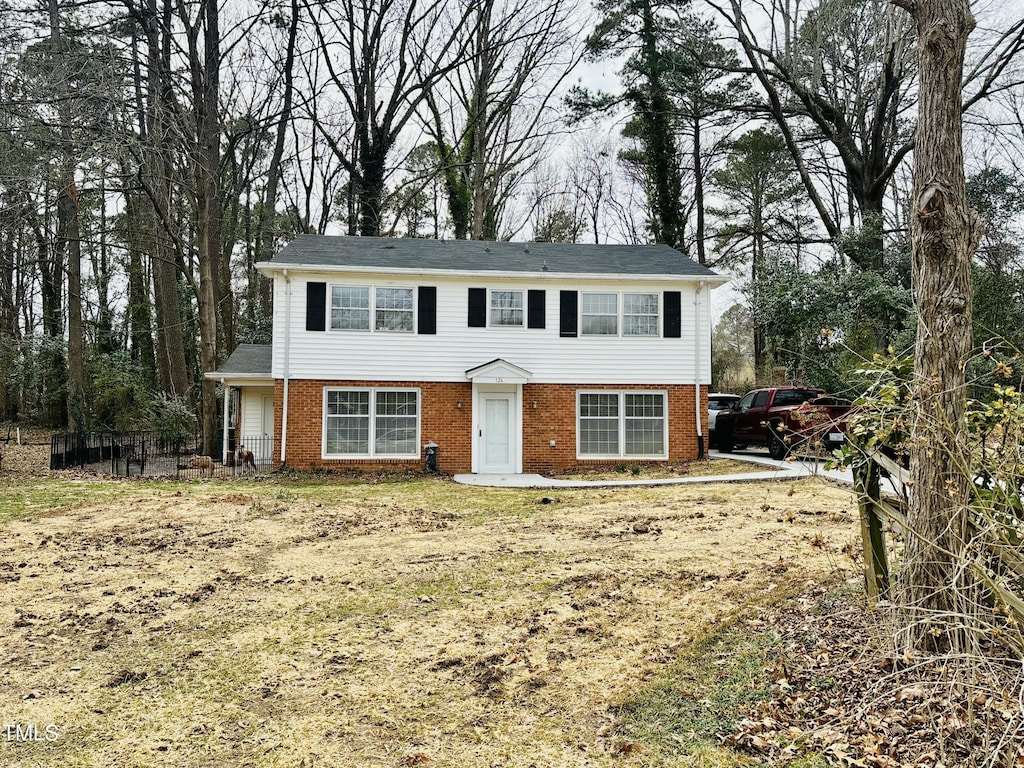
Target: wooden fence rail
{"x":878,"y":510}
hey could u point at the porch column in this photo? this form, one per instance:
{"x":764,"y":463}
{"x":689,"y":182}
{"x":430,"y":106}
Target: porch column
{"x":227,"y":423}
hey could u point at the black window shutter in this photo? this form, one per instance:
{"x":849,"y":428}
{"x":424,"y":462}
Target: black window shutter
{"x":426,"y":310}
{"x":568,"y":322}
{"x":535,"y":309}
{"x":673,"y":314}
{"x":477,"y":307}
{"x":316,"y":306}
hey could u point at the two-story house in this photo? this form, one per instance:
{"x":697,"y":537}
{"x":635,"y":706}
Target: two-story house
{"x":510,"y":357}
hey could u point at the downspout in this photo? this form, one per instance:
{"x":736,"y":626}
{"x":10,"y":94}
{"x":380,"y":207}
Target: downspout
{"x":287,"y":340}
{"x":697,"y":336}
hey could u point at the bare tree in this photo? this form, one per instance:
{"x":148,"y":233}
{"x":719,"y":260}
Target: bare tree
{"x":382,"y":58}
{"x":68,"y":238}
{"x":838,"y":79}
{"x":150,"y":179}
{"x":844,"y":68}
{"x":267,"y":230}
{"x":490,"y":116}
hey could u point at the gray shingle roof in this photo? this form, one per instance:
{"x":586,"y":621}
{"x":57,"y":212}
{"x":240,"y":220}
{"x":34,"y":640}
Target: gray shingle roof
{"x":478,"y":255}
{"x":247,"y":359}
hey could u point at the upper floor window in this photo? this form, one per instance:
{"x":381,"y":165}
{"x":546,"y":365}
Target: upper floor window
{"x":350,"y":308}
{"x":392,"y":308}
{"x":639,"y":314}
{"x":600,"y":314}
{"x":507,"y":308}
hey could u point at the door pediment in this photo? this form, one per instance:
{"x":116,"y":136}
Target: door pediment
{"x":498,"y":372}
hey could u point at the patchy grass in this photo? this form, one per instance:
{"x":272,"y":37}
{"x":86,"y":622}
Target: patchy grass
{"x":40,"y":497}
{"x":379,"y":624}
{"x":714,"y":682}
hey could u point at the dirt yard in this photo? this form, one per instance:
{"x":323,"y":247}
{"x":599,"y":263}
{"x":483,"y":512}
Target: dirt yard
{"x":392,"y":623}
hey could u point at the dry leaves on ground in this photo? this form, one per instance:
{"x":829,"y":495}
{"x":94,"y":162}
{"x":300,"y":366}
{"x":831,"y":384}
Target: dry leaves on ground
{"x":838,"y":690}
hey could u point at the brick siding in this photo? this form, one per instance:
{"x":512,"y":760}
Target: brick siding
{"x":446,"y":419}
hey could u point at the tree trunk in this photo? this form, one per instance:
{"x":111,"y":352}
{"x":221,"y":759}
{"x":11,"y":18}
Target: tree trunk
{"x":268,"y":213}
{"x":208,"y":221}
{"x":157,"y":171}
{"x":68,"y":242}
{"x":140,"y":325}
{"x":659,"y":139}
{"x":945,"y":232}
{"x":372,"y":167}
{"x":698,"y":189}
{"x":106,"y":342}
{"x":479,"y":114}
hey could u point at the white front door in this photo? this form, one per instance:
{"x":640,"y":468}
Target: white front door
{"x":497,"y":434}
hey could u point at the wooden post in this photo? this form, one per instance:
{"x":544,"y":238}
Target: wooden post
{"x":876,"y":566}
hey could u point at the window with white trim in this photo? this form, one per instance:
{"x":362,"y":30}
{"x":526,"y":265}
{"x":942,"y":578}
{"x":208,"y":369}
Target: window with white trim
{"x":371,"y":423}
{"x":600,"y":314}
{"x":639,"y":314}
{"x":394,"y":310}
{"x":350,"y":308}
{"x":603,"y":314}
{"x":622,"y":424}
{"x":391,"y":309}
{"x":507,"y":309}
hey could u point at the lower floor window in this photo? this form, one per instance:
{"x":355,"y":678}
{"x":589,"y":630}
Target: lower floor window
{"x":371,"y":422}
{"x":620,"y":424}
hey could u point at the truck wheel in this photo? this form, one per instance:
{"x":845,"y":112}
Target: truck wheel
{"x":725,"y":441}
{"x":778,"y":448}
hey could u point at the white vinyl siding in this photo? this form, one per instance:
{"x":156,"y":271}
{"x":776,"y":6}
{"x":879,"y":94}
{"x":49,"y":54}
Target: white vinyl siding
{"x":371,"y":423}
{"x":456,"y":348}
{"x":507,"y":309}
{"x":622,"y":425}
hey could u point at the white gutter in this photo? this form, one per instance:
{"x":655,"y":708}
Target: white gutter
{"x":698,"y":336}
{"x":287,"y":337}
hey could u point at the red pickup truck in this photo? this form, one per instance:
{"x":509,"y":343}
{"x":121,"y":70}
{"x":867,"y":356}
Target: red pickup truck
{"x":782,"y":418}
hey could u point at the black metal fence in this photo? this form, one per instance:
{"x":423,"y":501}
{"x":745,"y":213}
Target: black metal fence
{"x":130,"y":454}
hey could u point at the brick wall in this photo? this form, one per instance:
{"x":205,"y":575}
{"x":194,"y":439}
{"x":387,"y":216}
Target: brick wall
{"x":446,"y":418}
{"x":554,"y":418}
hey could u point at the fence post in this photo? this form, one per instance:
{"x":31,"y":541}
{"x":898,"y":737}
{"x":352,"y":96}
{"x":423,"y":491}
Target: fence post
{"x":876,"y":566}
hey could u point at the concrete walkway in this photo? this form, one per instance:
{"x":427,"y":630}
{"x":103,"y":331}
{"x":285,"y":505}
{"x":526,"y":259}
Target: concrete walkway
{"x":781,"y":470}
